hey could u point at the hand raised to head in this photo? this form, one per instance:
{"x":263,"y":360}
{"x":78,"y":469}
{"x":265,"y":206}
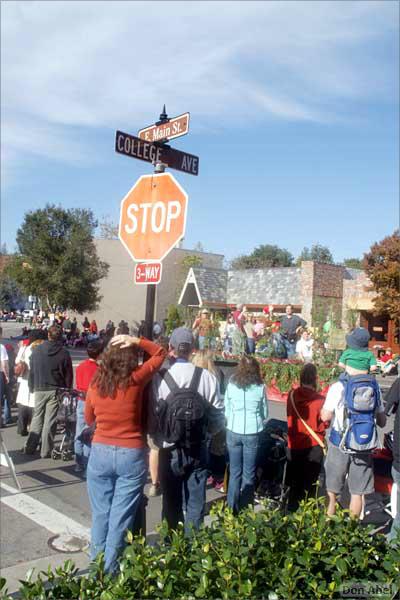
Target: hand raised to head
{"x":124,"y":341}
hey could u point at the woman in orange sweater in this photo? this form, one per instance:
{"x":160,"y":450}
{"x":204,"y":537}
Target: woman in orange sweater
{"x":117,"y":467}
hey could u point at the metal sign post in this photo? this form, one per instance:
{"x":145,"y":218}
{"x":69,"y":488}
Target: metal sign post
{"x":153,"y":213}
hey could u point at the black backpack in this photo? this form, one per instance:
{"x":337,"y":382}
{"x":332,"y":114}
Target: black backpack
{"x":183,"y":415}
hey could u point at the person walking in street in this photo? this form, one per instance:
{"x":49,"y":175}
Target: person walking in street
{"x":306,"y":433}
{"x":51,"y":370}
{"x":392,"y":399}
{"x":117,"y":467}
{"x":290,"y":326}
{"x":84,"y":374}
{"x":183,"y":462}
{"x":246,"y":410}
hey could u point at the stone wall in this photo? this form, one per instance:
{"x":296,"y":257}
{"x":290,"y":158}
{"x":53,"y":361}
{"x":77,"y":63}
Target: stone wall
{"x":357,"y":294}
{"x":322,"y":291}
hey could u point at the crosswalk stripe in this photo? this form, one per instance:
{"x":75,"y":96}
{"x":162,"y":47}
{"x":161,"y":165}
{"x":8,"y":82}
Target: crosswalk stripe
{"x":42,"y":514}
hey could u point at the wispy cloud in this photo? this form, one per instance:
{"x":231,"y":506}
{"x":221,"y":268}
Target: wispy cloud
{"x":110,"y":64}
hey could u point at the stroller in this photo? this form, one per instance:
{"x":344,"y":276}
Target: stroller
{"x":66,"y":419}
{"x":273,"y":464}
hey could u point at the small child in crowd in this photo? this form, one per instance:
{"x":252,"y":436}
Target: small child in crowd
{"x":357,"y":359}
{"x":84,"y":375}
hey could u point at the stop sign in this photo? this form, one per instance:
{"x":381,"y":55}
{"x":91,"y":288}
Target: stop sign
{"x":153,"y":217}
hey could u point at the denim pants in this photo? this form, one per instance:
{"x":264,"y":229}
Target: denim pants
{"x":183,"y":481}
{"x":4,"y":400}
{"x":396,"y":521}
{"x":243,"y":454}
{"x":290,"y":347}
{"x":82,"y":451}
{"x":251,"y":345}
{"x":115,"y":481}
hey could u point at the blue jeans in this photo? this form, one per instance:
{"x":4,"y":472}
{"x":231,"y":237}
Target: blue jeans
{"x":251,"y":345}
{"x":228,"y":345}
{"x":396,"y":521}
{"x":243,"y":453}
{"x":183,"y":481}
{"x":290,"y":347}
{"x":82,"y":451}
{"x":115,"y":481}
{"x":5,"y":406}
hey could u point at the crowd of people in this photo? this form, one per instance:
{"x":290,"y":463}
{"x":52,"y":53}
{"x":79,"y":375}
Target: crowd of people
{"x":169,"y":396}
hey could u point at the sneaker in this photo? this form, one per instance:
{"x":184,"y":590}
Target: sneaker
{"x":219,"y":487}
{"x":79,"y":468}
{"x":154,"y":490}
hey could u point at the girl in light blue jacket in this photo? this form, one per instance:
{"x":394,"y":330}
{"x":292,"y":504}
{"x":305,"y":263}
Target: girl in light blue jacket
{"x":246,"y":410}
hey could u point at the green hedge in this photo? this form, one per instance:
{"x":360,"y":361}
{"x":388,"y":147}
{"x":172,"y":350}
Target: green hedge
{"x":254,"y":555}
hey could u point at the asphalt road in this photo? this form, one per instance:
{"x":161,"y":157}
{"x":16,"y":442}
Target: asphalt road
{"x":53,"y":503}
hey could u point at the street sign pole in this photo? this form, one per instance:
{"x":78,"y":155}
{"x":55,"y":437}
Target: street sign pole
{"x":151,"y":287}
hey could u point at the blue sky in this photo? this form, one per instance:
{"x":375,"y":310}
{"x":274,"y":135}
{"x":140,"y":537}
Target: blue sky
{"x":294,"y":114}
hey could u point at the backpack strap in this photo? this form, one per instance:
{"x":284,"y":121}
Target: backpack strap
{"x":169,"y":380}
{"x":194,"y":384}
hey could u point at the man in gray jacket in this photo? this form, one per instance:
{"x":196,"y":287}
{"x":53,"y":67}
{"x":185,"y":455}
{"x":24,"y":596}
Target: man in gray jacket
{"x":51,"y":369}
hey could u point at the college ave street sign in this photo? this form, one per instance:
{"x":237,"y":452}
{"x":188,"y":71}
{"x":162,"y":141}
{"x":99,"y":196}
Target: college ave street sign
{"x":154,"y":152}
{"x":168,"y":130}
{"x":148,"y":273}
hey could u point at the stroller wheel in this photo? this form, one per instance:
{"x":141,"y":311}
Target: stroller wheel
{"x":55,"y":455}
{"x":66,"y":456}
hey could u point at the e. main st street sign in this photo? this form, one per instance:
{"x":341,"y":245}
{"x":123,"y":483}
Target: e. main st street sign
{"x":154,"y":152}
{"x":168,"y":129}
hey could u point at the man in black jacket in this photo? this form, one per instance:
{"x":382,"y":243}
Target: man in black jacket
{"x":392,"y":400}
{"x":51,"y":369}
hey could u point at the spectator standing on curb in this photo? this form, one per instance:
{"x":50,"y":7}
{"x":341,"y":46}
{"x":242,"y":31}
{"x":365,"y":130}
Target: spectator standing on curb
{"x":393,"y":406}
{"x":117,"y":467}
{"x":25,"y":398}
{"x":290,"y":325}
{"x":306,"y":433}
{"x":246,"y":410}
{"x":355,"y":390}
{"x":51,"y":369}
{"x":84,"y":374}
{"x":4,"y":379}
{"x":183,"y":464}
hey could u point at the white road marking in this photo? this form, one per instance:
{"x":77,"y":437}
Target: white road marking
{"x":42,"y":514}
{"x":3,"y":460}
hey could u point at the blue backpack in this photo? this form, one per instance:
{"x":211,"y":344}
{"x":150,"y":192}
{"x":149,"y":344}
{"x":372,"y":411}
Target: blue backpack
{"x":361,"y":399}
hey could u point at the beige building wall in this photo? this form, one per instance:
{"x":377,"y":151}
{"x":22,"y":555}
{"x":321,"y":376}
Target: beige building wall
{"x":123,"y":299}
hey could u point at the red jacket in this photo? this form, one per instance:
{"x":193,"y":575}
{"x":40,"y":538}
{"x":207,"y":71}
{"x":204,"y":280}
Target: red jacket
{"x":84,"y":374}
{"x":308,"y":403}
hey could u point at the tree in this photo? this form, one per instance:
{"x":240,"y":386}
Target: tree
{"x":353,"y":263}
{"x":108,"y":230}
{"x":11,"y":297}
{"x":381,"y":264}
{"x":263,"y":257}
{"x":318,"y":253}
{"x":57,"y":259}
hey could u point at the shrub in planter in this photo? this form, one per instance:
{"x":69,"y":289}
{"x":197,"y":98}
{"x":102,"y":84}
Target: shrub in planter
{"x":254,"y":555}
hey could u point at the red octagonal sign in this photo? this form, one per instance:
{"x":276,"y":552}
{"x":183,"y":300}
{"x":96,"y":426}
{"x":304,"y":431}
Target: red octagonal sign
{"x":153,"y":217}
